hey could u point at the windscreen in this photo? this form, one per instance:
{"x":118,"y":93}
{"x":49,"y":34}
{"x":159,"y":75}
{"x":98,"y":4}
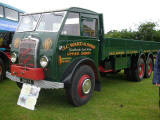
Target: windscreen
{"x":44,"y":22}
{"x":50,"y":21}
{"x":28,"y":23}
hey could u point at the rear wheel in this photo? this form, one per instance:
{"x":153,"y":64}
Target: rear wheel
{"x":103,"y":74}
{"x":149,"y":68}
{"x":2,"y":70}
{"x":138,"y":70}
{"x":129,"y":74}
{"x":82,"y":86}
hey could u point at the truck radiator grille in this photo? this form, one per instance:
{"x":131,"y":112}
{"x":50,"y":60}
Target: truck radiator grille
{"x":28,"y":52}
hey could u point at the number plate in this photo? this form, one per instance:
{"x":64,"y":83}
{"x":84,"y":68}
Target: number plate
{"x":27,"y":81}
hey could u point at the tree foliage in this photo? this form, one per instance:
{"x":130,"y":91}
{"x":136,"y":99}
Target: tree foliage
{"x":146,"y":31}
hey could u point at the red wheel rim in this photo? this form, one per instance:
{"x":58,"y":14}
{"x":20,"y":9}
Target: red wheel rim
{"x":141,"y":70}
{"x":83,"y":77}
{"x":149,"y":68}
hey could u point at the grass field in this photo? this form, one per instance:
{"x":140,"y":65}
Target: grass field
{"x":119,"y":100}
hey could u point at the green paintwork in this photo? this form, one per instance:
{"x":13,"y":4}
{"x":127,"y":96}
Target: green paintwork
{"x":115,"y":52}
{"x":67,"y":40}
{"x":121,"y":62}
{"x":112,"y":46}
{"x":51,"y":73}
{"x":120,"y":51}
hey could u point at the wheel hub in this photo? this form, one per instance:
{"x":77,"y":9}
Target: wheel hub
{"x":86,"y":86}
{"x":140,"y":70}
{"x":149,"y":68}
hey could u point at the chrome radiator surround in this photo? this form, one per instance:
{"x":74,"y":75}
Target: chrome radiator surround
{"x":25,"y":44}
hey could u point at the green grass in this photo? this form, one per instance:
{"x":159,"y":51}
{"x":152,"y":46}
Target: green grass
{"x":119,"y":100}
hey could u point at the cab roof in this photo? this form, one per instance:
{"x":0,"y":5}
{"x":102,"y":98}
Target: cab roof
{"x":72,"y":9}
{"x":11,"y":7}
{"x":82,"y":10}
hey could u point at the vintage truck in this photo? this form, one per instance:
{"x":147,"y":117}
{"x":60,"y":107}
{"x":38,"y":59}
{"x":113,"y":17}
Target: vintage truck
{"x":67,"y":49}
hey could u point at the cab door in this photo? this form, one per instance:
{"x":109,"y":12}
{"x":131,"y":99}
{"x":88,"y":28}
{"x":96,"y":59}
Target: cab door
{"x":78,"y":39}
{"x":89,"y":31}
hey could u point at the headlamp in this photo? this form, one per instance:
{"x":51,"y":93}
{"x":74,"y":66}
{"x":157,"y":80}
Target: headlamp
{"x":13,"y":57}
{"x":44,"y":61}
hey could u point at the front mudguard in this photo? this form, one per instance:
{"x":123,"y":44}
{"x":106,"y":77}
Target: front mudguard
{"x":69,"y":72}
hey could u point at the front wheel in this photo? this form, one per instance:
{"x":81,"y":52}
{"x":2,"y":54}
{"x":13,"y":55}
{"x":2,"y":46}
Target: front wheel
{"x":2,"y":70}
{"x":82,"y":86}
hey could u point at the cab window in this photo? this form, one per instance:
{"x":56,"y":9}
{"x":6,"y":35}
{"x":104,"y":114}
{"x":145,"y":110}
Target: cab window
{"x":89,"y":27}
{"x":72,"y":26}
{"x":1,"y":11}
{"x":11,"y":14}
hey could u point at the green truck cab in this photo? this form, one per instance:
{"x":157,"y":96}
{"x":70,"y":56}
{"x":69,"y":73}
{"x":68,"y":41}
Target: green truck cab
{"x":67,"y":49}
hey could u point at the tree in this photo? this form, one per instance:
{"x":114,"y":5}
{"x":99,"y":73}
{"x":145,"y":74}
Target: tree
{"x":156,"y":36}
{"x":113,"y":34}
{"x":121,"y":34}
{"x":146,"y":31}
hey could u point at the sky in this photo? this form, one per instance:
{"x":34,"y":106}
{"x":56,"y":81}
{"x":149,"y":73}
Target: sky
{"x":118,"y":14}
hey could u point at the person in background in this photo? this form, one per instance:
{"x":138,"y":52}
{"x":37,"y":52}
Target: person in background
{"x":156,"y":74}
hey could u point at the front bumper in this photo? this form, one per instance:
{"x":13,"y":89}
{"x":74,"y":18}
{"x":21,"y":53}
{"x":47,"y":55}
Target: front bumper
{"x":39,"y":83}
{"x":27,"y":72}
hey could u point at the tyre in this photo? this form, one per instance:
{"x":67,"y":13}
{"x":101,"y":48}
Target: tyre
{"x":138,"y":70}
{"x":82,"y":86}
{"x":103,"y":74}
{"x":148,"y":68}
{"x":2,"y":70}
{"x":19,"y":85}
{"x":129,"y":74}
{"x":117,"y":71}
